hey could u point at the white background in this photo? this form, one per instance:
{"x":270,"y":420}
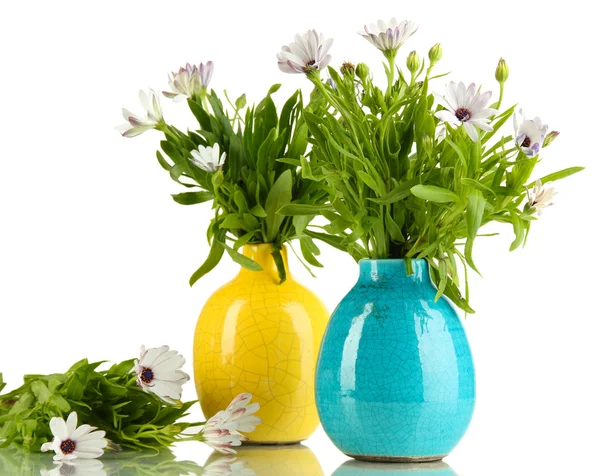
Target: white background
{"x":95,"y":255}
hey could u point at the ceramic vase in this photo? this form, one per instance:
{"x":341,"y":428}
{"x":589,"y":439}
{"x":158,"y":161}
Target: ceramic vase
{"x":395,"y":379}
{"x":258,"y":336}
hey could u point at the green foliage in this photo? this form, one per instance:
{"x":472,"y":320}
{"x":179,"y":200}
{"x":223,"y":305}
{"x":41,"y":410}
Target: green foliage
{"x":108,"y":399}
{"x":398,"y":191}
{"x":261,"y":175}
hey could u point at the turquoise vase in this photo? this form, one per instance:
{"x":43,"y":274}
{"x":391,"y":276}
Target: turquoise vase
{"x":395,"y":378}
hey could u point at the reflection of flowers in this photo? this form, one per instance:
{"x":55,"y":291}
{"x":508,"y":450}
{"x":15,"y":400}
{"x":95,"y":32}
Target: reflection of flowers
{"x":228,"y":466}
{"x":78,"y":467}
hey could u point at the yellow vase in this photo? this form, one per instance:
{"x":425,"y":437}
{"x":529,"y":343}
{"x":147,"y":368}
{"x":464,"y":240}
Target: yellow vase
{"x":255,"y":335}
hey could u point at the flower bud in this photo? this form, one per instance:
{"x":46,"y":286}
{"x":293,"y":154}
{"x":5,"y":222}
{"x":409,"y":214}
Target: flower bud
{"x":550,"y":138}
{"x":502,"y":71}
{"x":347,"y":69}
{"x":362,"y":71}
{"x":379,"y":98}
{"x":413,"y":62}
{"x":435,"y":54}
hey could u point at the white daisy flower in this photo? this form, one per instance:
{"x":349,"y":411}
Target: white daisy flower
{"x":76,"y":467}
{"x":222,"y":431}
{"x":71,"y":442}
{"x":466,"y":107}
{"x":309,"y":52}
{"x":137,"y":124}
{"x":389,"y":37}
{"x":227,"y":466}
{"x":189,"y":81}
{"x":207,"y":158}
{"x":529,"y":133}
{"x":158,"y":372}
{"x":540,"y":197}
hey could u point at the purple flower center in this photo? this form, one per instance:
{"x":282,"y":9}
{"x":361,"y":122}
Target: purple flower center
{"x":147,"y":375}
{"x":67,"y":447}
{"x":310,"y":65}
{"x":526,"y":142}
{"x":463,"y":114}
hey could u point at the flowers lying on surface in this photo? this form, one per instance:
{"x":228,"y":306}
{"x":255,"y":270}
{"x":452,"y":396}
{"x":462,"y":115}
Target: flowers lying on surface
{"x":158,"y":372}
{"x":229,"y":466}
{"x":309,"y":52}
{"x":529,"y":133}
{"x":467,"y":107}
{"x":207,"y":158}
{"x":389,"y":37}
{"x":540,"y":197}
{"x":137,"y":125}
{"x":72,"y":442}
{"x":189,"y":81}
{"x":222,"y":431}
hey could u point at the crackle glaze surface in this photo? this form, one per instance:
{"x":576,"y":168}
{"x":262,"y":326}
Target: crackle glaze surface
{"x":395,"y":375}
{"x":285,"y":460}
{"x":255,"y":335}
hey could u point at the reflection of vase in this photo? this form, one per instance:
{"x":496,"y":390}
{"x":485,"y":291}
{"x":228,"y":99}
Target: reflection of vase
{"x":361,"y":468}
{"x":258,"y":336}
{"x":289,"y":460}
{"x":395,"y":378}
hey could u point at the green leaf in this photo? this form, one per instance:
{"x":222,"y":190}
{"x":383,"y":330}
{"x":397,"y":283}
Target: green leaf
{"x":519,"y":230}
{"x":2,"y":384}
{"x":40,"y":390}
{"x":242,"y":240}
{"x":475,"y":209}
{"x":240,"y":259}
{"x":258,"y":211}
{"x":279,"y":263}
{"x":474,"y":184}
{"x":279,"y":196}
{"x":192,"y":198}
{"x":558,"y":175}
{"x":308,"y":252}
{"x":369,"y":181}
{"x":434,"y":194}
{"x":302,"y":209}
{"x":399,"y":192}
{"x":393,"y":229}
{"x":214,"y":256}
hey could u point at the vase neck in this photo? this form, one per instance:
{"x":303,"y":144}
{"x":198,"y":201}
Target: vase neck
{"x":380,"y":271}
{"x":261,"y":254}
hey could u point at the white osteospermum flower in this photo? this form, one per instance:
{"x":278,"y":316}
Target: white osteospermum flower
{"x":388,"y":37}
{"x":158,"y":372}
{"x":529,"y":133}
{"x":136,"y":124}
{"x":222,"y":431}
{"x":309,"y":52}
{"x":77,"y":467}
{"x":207,"y":158}
{"x":71,"y":442}
{"x":189,"y":81}
{"x":227,"y":466}
{"x":466,"y":107}
{"x":540,"y":197}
